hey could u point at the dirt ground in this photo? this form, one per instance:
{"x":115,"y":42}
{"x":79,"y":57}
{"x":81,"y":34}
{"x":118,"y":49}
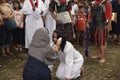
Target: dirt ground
{"x":12,"y":66}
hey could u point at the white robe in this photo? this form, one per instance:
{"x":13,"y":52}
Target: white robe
{"x":50,"y":23}
{"x":71,"y":62}
{"x":33,"y":20}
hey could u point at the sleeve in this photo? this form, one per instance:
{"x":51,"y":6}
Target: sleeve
{"x":27,"y":8}
{"x":68,"y":61}
{"x":52,"y":6}
{"x":108,"y":12}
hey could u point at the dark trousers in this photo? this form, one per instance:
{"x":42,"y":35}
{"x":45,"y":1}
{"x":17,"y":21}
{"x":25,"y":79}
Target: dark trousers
{"x":4,"y":37}
{"x":36,"y":70}
{"x":18,"y":36}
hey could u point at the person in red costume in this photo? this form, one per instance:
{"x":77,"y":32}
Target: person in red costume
{"x":100,"y":16}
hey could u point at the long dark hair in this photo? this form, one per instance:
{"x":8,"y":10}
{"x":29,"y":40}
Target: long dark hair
{"x":19,"y":6}
{"x":60,"y":33}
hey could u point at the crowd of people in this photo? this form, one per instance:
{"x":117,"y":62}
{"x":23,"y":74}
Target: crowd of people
{"x":40,"y":23}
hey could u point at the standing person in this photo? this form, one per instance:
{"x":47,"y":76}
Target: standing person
{"x":18,"y":33}
{"x":41,"y":54}
{"x":80,"y":26}
{"x":117,"y":21}
{"x":63,"y":16}
{"x":101,"y":12}
{"x":71,"y":61}
{"x":50,"y":22}
{"x":33,"y":10}
{"x":7,"y":15}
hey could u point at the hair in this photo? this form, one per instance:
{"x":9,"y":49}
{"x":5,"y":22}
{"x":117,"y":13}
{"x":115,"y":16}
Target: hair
{"x":60,"y":33}
{"x":16,"y":1}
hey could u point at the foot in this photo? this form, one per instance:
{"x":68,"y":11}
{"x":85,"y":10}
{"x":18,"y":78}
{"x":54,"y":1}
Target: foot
{"x":0,"y":66}
{"x":20,"y":49}
{"x":4,"y":54}
{"x":82,"y":71}
{"x":16,"y":48}
{"x":102,"y":61}
{"x":95,"y":57}
{"x":10,"y":53}
{"x":118,"y":43}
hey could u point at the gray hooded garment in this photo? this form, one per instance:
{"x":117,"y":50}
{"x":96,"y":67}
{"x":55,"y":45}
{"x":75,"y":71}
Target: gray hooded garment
{"x":40,"y":48}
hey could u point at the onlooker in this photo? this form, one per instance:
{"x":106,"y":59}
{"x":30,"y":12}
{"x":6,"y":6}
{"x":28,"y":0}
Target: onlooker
{"x":71,"y":61}
{"x":33,"y":10}
{"x":7,"y":14}
{"x":50,"y":22}
{"x":80,"y":26}
{"x":18,"y":33}
{"x":100,"y":12}
{"x":117,"y":20}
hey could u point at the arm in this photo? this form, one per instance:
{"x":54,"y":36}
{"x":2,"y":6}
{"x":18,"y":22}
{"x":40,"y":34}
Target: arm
{"x":108,"y":14}
{"x":115,"y":17}
{"x":12,"y":12}
{"x":1,"y":20}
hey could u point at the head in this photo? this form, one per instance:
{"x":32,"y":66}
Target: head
{"x":81,"y":9}
{"x":16,"y":5}
{"x":40,"y":38}
{"x":86,"y":4}
{"x":57,"y":34}
{"x":80,"y":3}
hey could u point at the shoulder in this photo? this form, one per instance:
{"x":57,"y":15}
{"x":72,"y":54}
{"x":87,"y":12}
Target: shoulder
{"x":68,"y":45}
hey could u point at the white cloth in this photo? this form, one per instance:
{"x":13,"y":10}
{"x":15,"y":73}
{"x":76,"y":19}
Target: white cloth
{"x":33,"y":20}
{"x":18,"y":18}
{"x":50,"y":23}
{"x":74,"y":11}
{"x":71,"y":62}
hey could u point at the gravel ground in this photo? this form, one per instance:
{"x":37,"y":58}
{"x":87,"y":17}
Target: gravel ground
{"x":12,"y":66}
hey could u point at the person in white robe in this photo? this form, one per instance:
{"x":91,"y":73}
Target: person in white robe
{"x":71,"y":61}
{"x":34,"y":10}
{"x":50,"y":22}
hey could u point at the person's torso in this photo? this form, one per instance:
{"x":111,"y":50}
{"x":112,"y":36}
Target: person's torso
{"x":81,"y":22}
{"x":18,"y":17}
{"x":5,"y":9}
{"x":98,"y":10}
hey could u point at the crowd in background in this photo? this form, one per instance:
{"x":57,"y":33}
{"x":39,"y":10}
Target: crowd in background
{"x":79,"y":9}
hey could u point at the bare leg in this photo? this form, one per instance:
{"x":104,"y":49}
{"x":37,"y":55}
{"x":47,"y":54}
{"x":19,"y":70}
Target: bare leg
{"x":102,"y":52}
{"x":98,"y":56}
{"x":3,"y":52}
{"x":8,"y":51}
